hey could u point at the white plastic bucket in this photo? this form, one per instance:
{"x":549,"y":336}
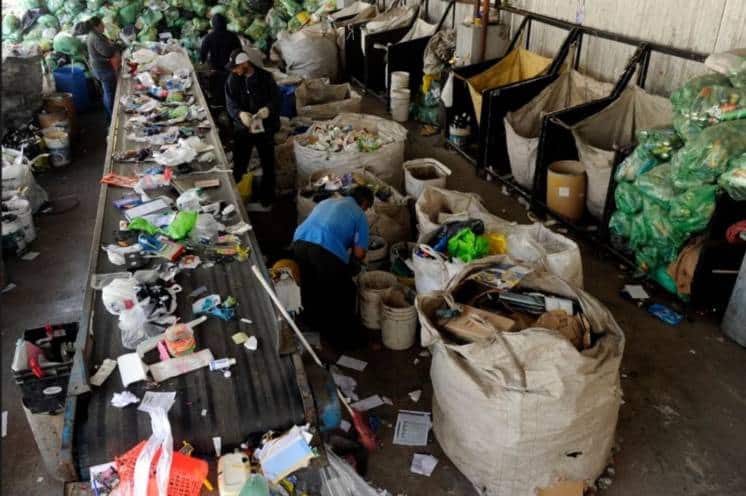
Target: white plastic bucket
{"x":423,"y":172}
{"x":377,"y":258}
{"x":400,"y":105}
{"x":22,"y":210}
{"x":458,"y":135}
{"x":372,"y":285}
{"x":399,"y":80}
{"x":398,"y":320}
{"x":58,"y":143}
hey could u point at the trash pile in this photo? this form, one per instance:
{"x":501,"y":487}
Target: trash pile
{"x":330,"y":137}
{"x":668,"y":187}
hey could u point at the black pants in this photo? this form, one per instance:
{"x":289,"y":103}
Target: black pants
{"x":328,"y":294}
{"x":243,"y":144}
{"x":216,"y":85}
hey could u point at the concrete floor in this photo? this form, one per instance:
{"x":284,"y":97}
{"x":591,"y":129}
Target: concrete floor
{"x":681,"y":429}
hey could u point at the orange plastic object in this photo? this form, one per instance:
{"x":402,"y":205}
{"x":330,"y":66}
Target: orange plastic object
{"x":185,"y":479}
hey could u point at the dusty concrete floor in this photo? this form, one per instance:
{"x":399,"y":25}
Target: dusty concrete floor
{"x":681,"y":429}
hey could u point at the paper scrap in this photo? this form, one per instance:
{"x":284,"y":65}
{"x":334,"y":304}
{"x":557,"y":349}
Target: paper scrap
{"x":424,"y":353}
{"x":217,"y":443}
{"x":5,"y":423}
{"x":346,"y":384}
{"x":412,"y":428}
{"x":352,"y":363}
{"x":240,"y":337}
{"x":284,"y":455}
{"x":555,"y":303}
{"x":345,"y":425}
{"x":636,"y":292}
{"x":251,"y":344}
{"x":104,"y":478}
{"x":423,"y":464}
{"x":153,"y":400}
{"x":204,"y":412}
{"x":387,"y":400}
{"x":368,"y":403}
{"x":120,"y":400}
{"x":415,"y":395}
{"x":131,"y":368}
{"x":30,"y":255}
{"x":10,"y":287}
{"x":103,"y":372}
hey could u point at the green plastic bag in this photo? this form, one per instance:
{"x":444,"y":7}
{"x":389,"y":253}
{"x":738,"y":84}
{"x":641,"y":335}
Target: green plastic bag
{"x":94,"y":5}
{"x":218,"y":9}
{"x":713,"y":104}
{"x":628,"y":198}
{"x":661,"y":231}
{"x":148,"y":34}
{"x":638,"y":162}
{"x":34,"y":34}
{"x":182,"y":225}
{"x":199,"y":7}
{"x":48,"y":21}
{"x":74,"y":7}
{"x":311,"y":5}
{"x":734,"y":179}
{"x":55,"y":6}
{"x":200,"y":25}
{"x":143,"y":225}
{"x":692,"y":210}
{"x":149,"y":18}
{"x":31,"y":4}
{"x":11,"y":25}
{"x":656,"y":184}
{"x":661,"y":276}
{"x":128,"y":13}
{"x":257,"y":30}
{"x":705,"y":158}
{"x":68,"y":44}
{"x":468,"y":246}
{"x":291,"y":7}
{"x":620,"y":224}
{"x":683,"y":97}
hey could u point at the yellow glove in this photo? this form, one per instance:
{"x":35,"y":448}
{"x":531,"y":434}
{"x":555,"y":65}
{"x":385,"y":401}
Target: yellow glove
{"x":245,"y":118}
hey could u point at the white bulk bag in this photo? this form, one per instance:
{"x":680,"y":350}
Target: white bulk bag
{"x":385,"y":163}
{"x":533,"y":398}
{"x":317,"y":99}
{"x":435,"y":206}
{"x":308,"y":53}
{"x":600,"y":135}
{"x":432,"y":273}
{"x":541,"y":246}
{"x":523,"y":126}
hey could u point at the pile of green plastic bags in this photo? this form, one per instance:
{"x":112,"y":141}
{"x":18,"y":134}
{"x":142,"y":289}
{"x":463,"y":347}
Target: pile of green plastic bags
{"x":667,"y":188}
{"x":260,"y":21}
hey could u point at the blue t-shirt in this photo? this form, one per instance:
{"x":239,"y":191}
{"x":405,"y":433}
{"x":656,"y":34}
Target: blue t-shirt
{"x":336,"y":224}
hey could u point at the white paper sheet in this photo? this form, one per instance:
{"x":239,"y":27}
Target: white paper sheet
{"x":352,"y":363}
{"x":423,"y":464}
{"x":5,"y":423}
{"x":412,"y":428}
{"x":636,"y":292}
{"x":368,"y":403}
{"x":125,"y":398}
{"x":153,"y":400}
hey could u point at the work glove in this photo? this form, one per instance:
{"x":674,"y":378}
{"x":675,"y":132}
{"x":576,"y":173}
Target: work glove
{"x":263,"y":113}
{"x":245,"y":118}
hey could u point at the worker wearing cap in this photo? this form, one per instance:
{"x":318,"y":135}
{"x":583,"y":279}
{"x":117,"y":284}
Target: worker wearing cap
{"x":322,"y":244}
{"x":253,"y":101}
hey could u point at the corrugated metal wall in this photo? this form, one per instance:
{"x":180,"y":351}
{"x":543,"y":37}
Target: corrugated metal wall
{"x":704,"y":26}
{"x":709,"y":26}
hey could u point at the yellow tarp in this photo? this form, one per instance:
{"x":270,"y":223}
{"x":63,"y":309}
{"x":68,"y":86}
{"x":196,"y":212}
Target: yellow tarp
{"x":520,"y":64}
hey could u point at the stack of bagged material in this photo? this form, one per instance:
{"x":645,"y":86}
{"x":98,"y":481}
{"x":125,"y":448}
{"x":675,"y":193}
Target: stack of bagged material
{"x":22,"y":90}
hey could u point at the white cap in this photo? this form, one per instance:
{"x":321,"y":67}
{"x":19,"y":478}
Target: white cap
{"x":241,"y":58}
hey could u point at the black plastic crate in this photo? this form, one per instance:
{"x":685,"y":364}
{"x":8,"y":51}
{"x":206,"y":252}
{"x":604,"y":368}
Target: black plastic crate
{"x":52,"y":346}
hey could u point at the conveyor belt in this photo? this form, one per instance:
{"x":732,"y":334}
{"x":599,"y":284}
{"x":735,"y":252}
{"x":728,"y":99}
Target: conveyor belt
{"x":264,"y":391}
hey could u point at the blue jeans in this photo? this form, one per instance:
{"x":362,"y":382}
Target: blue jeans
{"x":108,"y":79}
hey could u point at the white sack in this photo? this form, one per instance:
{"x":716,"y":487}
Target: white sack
{"x":436,"y":206}
{"x":317,"y":99}
{"x":308,"y":53}
{"x":532,"y":397}
{"x":433,"y":273}
{"x":385,"y":163}
{"x":541,"y":246}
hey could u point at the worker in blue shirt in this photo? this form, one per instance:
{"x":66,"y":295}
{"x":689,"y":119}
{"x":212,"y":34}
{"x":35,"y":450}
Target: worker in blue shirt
{"x":322,"y":244}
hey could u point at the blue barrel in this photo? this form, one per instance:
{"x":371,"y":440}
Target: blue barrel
{"x":71,"y":79}
{"x":287,"y":106}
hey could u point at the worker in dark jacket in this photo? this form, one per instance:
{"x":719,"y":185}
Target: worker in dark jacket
{"x":253,"y":101}
{"x":322,"y":246}
{"x":101,"y":50}
{"x":216,"y":49}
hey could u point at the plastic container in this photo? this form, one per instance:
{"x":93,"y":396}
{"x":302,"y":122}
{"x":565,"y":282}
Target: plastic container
{"x":424,"y":172}
{"x":71,"y":79}
{"x":58,"y":143}
{"x":566,"y":186}
{"x":180,"y":340}
{"x":372,"y":285}
{"x":458,"y":135}
{"x":63,"y":103}
{"x":55,"y":119}
{"x":399,"y":80}
{"x":184,"y":479}
{"x":234,"y":469}
{"x":398,"y":320}
{"x":400,"y":104}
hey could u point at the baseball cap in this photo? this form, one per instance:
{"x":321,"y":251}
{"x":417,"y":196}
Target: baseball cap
{"x":237,"y":58}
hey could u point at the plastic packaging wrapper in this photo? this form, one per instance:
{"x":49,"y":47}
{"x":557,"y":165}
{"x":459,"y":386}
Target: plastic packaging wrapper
{"x":691,"y":211}
{"x":620,"y":224}
{"x":432,"y":270}
{"x":713,"y":104}
{"x":628,"y":198}
{"x":533,"y":378}
{"x":68,"y":44}
{"x":182,"y":225}
{"x":540,"y":246}
{"x":656,"y":184}
{"x":734,"y":179}
{"x":706,"y":157}
{"x":339,"y":479}
{"x":468,"y":246}
{"x":11,"y":24}
{"x":731,"y":64}
{"x":683,"y":97}
{"x":257,"y":30}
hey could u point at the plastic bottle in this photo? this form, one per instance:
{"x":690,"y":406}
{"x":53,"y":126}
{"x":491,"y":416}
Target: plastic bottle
{"x":222,"y":363}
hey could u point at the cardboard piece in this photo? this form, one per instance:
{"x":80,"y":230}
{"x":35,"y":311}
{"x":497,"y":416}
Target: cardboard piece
{"x":468,"y":327}
{"x":564,"y":488}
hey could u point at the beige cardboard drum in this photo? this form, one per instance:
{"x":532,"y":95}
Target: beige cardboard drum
{"x":566,"y":186}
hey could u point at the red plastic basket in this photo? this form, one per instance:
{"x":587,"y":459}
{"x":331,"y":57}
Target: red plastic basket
{"x":185,"y":479}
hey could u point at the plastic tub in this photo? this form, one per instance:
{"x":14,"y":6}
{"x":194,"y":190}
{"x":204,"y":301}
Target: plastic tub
{"x":459,"y":135}
{"x":400,"y":105}
{"x":398,"y":320}
{"x":423,"y":172}
{"x":372,"y":285}
{"x":399,"y":80}
{"x":58,"y":143}
{"x":22,"y":210}
{"x":54,"y":119}
{"x":566,"y":185}
{"x":71,"y":79}
{"x":62,"y":103}
{"x":377,"y":256}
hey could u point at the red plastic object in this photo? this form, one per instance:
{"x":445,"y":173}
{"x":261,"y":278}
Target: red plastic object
{"x":33,"y":352}
{"x":185,"y":479}
{"x":365,"y":435}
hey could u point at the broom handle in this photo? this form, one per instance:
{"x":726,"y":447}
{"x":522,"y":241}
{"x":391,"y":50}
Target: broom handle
{"x":285,"y":314}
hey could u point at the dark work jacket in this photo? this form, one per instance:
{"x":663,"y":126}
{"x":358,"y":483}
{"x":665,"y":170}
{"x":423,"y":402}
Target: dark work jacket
{"x":249,"y":94}
{"x":218,"y":45}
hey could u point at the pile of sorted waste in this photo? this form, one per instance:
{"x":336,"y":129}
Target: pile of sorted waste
{"x":331,"y":137}
{"x":331,"y":184}
{"x":668,"y":187}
